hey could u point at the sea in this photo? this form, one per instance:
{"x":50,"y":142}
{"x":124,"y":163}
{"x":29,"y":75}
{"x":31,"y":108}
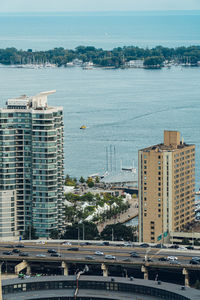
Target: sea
{"x":123,"y":109}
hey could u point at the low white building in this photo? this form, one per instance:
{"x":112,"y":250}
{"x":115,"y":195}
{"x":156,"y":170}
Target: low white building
{"x":138,"y":63}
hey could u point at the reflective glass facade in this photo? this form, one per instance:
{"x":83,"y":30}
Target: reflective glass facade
{"x":31,"y":156}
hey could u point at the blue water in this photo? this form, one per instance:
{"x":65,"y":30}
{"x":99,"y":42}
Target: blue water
{"x":106,"y":31}
{"x":128,"y":109}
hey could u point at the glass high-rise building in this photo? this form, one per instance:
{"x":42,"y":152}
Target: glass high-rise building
{"x":32,"y":161}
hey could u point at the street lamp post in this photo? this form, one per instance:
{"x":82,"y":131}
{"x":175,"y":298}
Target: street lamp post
{"x":83,"y":231}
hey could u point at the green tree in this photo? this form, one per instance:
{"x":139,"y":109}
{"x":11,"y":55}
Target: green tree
{"x":117,"y":231}
{"x":54,"y":234}
{"x":90,"y":182}
{"x":30,"y":234}
{"x":81,"y":180}
{"x":197,"y":284}
{"x":90,"y":231}
{"x":70,"y":181}
{"x":153,"y":62}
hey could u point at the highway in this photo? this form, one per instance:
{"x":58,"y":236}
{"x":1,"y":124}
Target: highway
{"x":121,"y":253}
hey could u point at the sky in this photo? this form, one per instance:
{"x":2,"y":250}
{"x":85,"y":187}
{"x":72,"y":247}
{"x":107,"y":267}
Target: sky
{"x":96,"y":5}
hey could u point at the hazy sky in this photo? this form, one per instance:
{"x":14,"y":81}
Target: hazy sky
{"x":96,"y":5}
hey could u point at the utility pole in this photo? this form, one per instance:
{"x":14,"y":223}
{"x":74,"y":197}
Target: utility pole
{"x":78,"y":234}
{"x":83,"y":231}
{"x":112,"y":235}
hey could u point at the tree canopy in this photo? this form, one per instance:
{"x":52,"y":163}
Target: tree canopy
{"x":117,"y":232}
{"x":103,"y":58}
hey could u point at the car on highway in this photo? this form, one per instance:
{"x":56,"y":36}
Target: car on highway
{"x":144,"y":245}
{"x":134,"y":254}
{"x":73,"y":249}
{"x":7,"y":253}
{"x":160,"y":246}
{"x":195,"y":259}
{"x":23,"y":254}
{"x":127,"y":244}
{"x":170,"y":258}
{"x":99,"y":253}
{"x":190,"y":247}
{"x":112,"y":257}
{"x":86,"y":244}
{"x":40,"y":255}
{"x":66,"y":243}
{"x":174,"y":246}
{"x":56,"y":254}
{"x":16,"y":250}
{"x":163,"y":258}
{"x":19,"y":246}
{"x":194,"y":262}
{"x":90,"y":257}
{"x":105,"y":244}
{"x":174,"y":262}
{"x":182,"y":248}
{"x":127,"y":259}
{"x":9,"y":246}
{"x":51,"y":251}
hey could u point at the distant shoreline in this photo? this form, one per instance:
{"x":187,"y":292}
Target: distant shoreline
{"x":88,"y":57}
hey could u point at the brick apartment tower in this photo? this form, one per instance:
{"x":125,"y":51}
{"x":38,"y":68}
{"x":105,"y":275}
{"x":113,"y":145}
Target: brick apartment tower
{"x":166,"y":179}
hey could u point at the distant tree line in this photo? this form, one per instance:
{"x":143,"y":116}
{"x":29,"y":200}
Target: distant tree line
{"x":102,"y":58}
{"x":89,"y":230}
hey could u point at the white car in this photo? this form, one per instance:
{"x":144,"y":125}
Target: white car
{"x":110,"y":257}
{"x":41,"y":255}
{"x":66,"y":244}
{"x":172,"y":258}
{"x":127,"y":244}
{"x":99,"y":253}
{"x":182,"y":248}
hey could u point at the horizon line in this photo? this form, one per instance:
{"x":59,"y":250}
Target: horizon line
{"x":102,"y":11}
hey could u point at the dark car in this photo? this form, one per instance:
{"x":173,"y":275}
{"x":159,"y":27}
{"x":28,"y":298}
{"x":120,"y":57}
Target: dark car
{"x":127,"y":259}
{"x":196,"y":258}
{"x":7,"y":253}
{"x":144,"y":245}
{"x":163,"y":259}
{"x":23,"y":254}
{"x":194,"y":262}
{"x":86,"y":244}
{"x":16,"y":251}
{"x":19,"y":246}
{"x":190,"y":247}
{"x":9,"y":246}
{"x":160,"y":246}
{"x":133,"y":254}
{"x":105,"y":244}
{"x":73,"y":249}
{"x":56,"y":254}
{"x":51,"y":251}
{"x":174,"y":246}
{"x":89,"y":257}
